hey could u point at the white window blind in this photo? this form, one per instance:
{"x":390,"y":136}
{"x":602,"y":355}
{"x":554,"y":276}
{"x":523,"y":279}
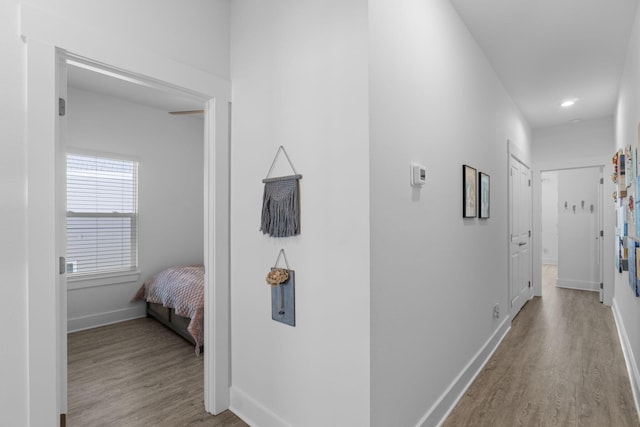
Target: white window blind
{"x":102,"y":215}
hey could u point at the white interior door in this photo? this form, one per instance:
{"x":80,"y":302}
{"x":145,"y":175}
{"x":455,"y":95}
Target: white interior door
{"x":520,"y":235}
{"x":600,"y":234}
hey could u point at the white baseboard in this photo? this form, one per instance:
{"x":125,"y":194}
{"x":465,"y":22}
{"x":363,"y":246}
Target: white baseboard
{"x":632,"y":366}
{"x":549,"y":261}
{"x":580,"y":285}
{"x":102,"y":319}
{"x":252,"y":412}
{"x":438,"y":413}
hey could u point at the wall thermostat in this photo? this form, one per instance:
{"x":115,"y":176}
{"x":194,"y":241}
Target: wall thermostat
{"x":418,"y":175}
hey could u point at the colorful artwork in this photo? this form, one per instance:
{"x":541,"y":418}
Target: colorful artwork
{"x":637,"y":291}
{"x":631,"y":247}
{"x":618,"y":259}
{"x":634,"y":264}
{"x":629,"y":163}
{"x":637,"y":193}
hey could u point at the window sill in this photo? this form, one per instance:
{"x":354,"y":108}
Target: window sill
{"x":104,"y":279}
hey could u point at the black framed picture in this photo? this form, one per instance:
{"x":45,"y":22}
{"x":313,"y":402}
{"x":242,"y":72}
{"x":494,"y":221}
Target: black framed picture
{"x":469,"y":192}
{"x":484,"y":195}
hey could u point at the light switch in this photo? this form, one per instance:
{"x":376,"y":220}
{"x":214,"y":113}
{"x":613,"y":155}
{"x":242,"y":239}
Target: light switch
{"x":418,"y":175}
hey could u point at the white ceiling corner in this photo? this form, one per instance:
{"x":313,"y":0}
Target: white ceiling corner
{"x":545,"y":51}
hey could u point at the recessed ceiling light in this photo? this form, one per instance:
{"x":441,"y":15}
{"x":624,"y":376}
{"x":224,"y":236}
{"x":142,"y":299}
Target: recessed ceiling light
{"x":568,"y":103}
{"x":575,"y":120}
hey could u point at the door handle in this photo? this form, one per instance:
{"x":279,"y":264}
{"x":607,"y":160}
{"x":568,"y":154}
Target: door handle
{"x":522,"y":243}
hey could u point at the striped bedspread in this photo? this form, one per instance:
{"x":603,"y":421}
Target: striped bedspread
{"x":180,"y":288}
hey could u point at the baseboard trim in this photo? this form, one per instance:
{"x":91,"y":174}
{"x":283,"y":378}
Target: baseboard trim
{"x":627,"y":351}
{"x":449,"y":399}
{"x":77,"y":324}
{"x":578,"y":285}
{"x":252,"y":412}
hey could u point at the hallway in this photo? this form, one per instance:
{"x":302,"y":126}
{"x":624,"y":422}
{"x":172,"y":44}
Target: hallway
{"x":561,"y":364}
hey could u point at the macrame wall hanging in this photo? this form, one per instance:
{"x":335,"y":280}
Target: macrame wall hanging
{"x":282,"y":282}
{"x":281,"y":202}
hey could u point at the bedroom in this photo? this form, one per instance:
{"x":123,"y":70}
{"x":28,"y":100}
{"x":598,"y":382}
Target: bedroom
{"x":113,"y":119}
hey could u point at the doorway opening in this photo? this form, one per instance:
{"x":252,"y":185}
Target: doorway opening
{"x":572,"y":226}
{"x":112,"y":121}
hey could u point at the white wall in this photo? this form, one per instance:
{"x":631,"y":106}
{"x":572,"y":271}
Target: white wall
{"x":435,"y":277}
{"x":197,"y":35}
{"x":193,"y":40}
{"x":578,"y":252}
{"x":170,"y":152}
{"x":626,"y":306}
{"x":13,"y":189}
{"x":299,"y":72}
{"x":574,"y":145}
{"x":573,"y":141}
{"x":549,"y":201}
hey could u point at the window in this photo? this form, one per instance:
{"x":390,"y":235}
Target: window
{"x":102,"y":215}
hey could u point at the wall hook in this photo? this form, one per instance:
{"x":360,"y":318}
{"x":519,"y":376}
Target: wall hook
{"x":574,"y":208}
{"x":283,"y":295}
{"x":565,"y":204}
{"x":582,"y":202}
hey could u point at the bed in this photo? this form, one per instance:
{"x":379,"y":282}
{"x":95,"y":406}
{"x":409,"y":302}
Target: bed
{"x":175,"y":297}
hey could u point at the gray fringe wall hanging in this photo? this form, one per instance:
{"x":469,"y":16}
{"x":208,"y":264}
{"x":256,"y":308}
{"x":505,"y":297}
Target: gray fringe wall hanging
{"x":281,"y":202}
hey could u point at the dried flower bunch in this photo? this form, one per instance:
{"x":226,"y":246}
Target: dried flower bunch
{"x":277,"y":276}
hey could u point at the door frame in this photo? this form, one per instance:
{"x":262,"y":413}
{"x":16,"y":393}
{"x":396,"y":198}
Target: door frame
{"x":608,"y":220}
{"x":46,"y":39}
{"x":599,"y":213}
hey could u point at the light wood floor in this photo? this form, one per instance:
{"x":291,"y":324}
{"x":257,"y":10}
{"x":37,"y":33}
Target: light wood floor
{"x":137,"y":373}
{"x":560,"y":365}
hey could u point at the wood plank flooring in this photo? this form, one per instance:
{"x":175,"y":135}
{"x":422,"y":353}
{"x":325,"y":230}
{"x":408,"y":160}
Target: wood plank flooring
{"x":560,"y":365}
{"x":137,"y":373}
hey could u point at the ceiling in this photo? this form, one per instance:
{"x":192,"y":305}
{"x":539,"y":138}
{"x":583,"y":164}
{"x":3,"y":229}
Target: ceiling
{"x":544,"y":51}
{"x":547,"y":51}
{"x":92,"y":79}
